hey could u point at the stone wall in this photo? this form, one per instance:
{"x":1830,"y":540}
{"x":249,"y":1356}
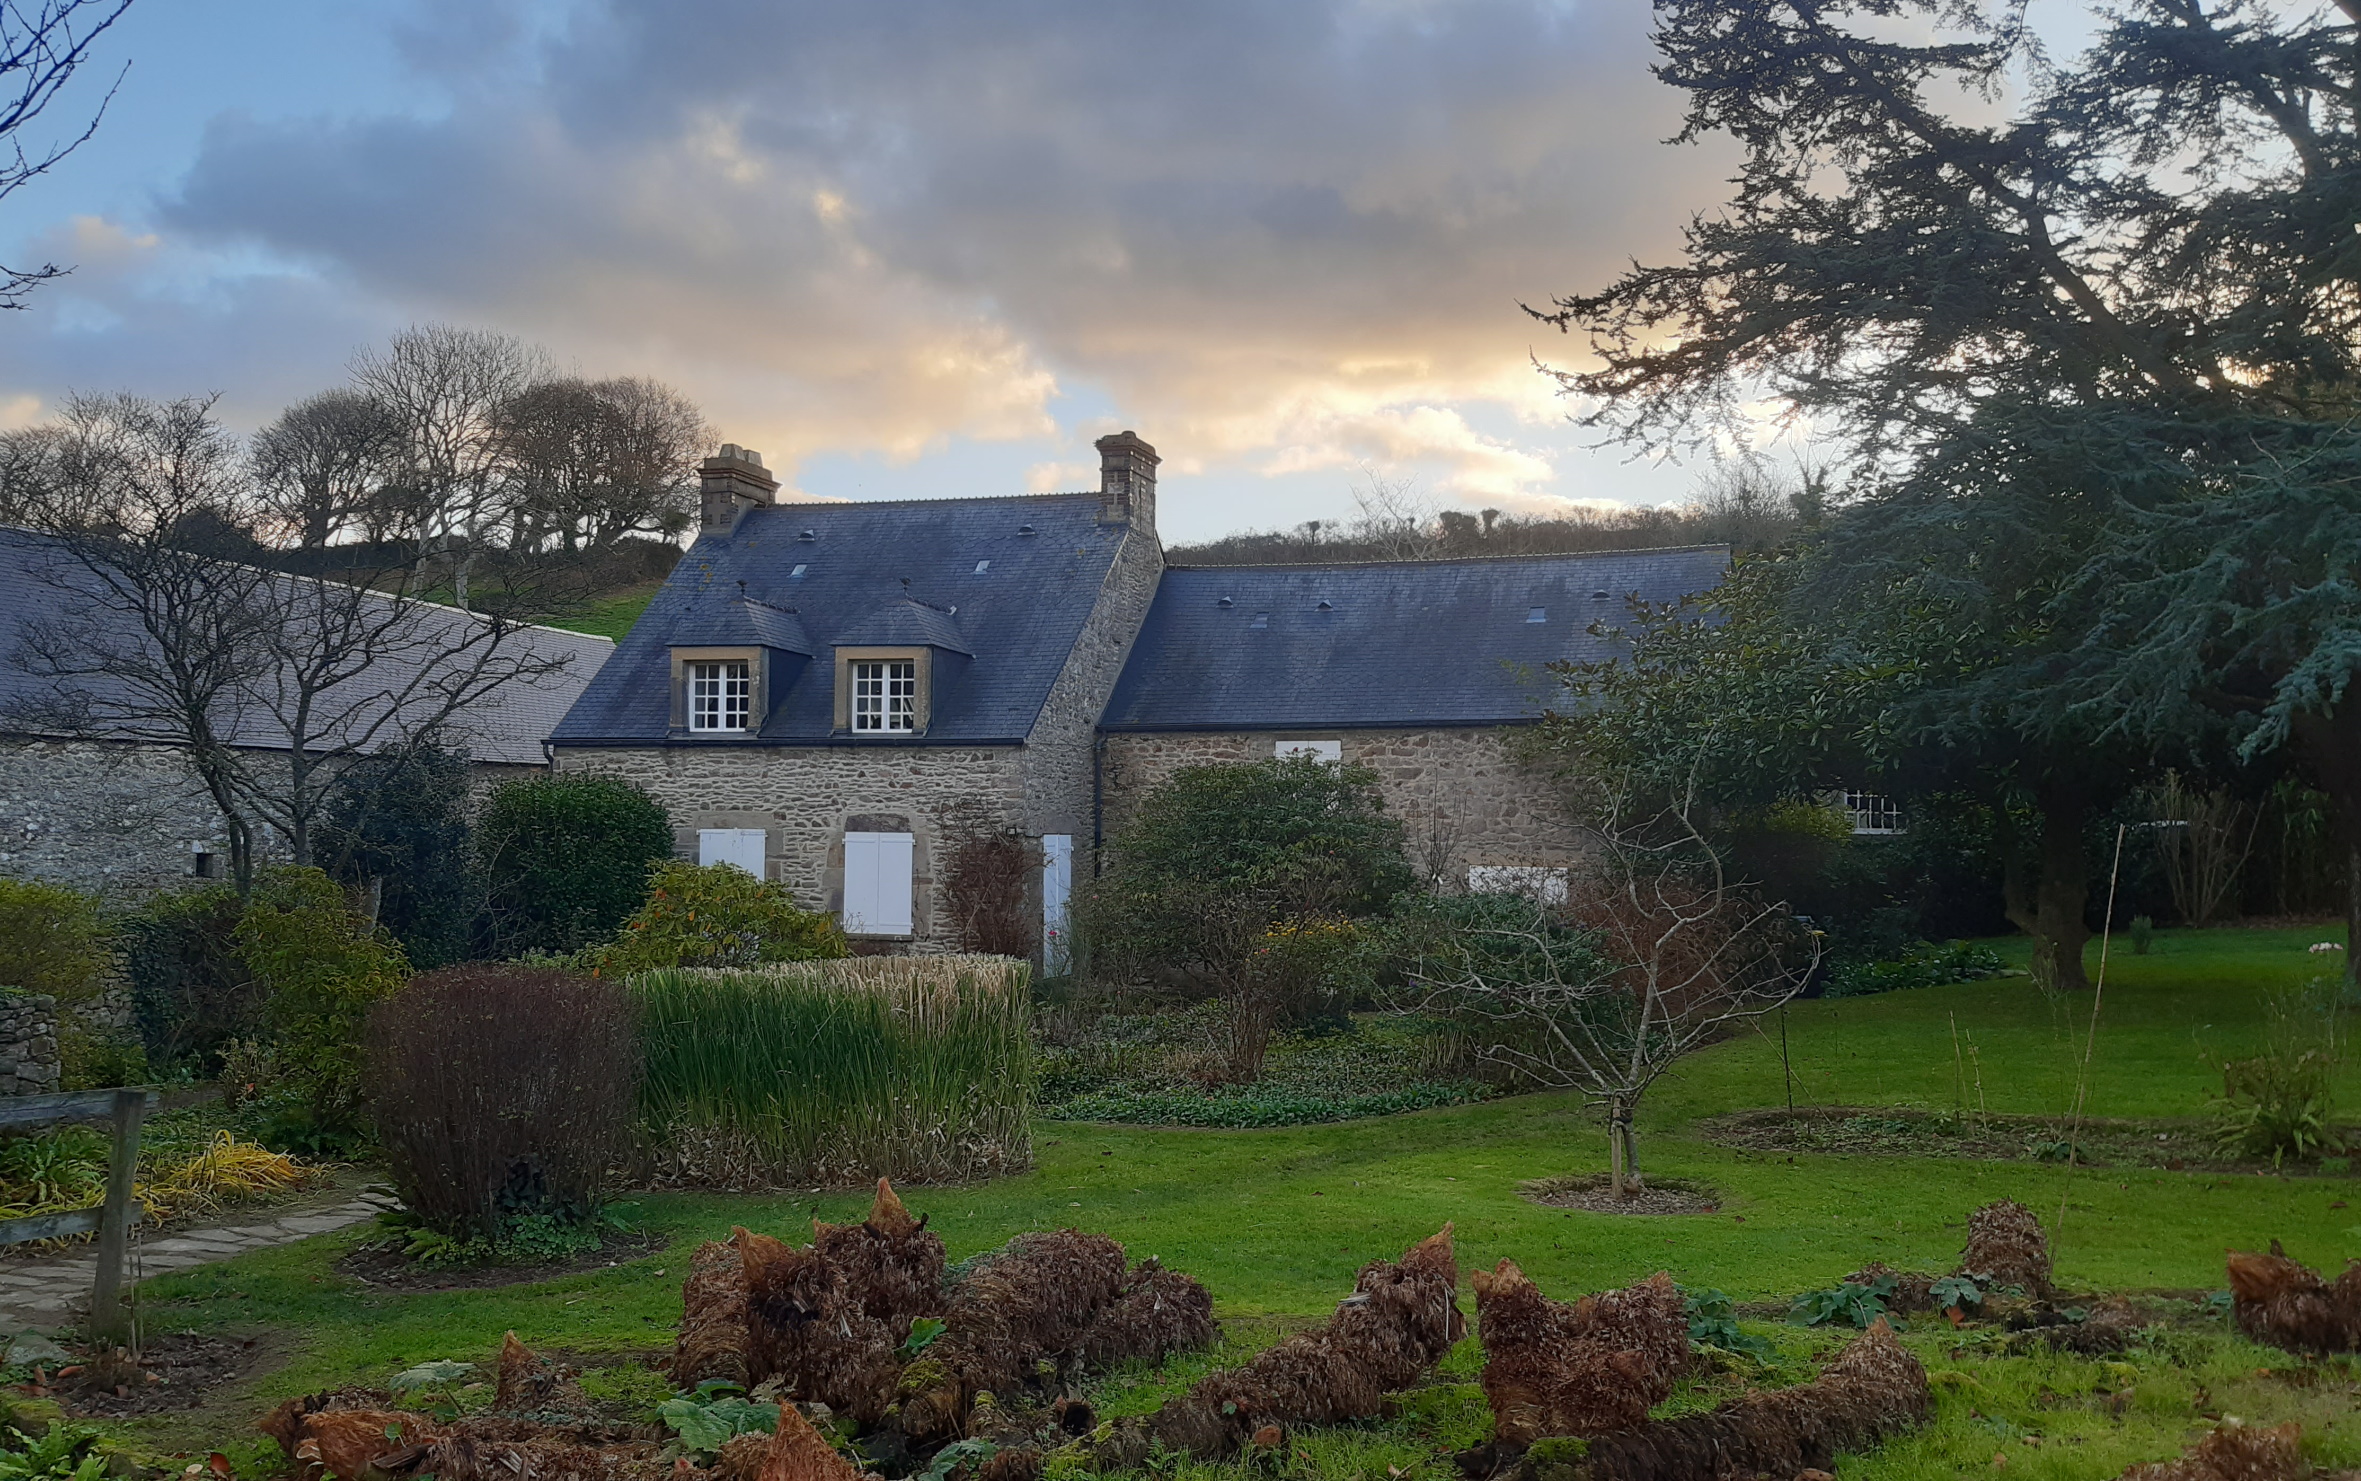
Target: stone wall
{"x":120,"y":820}
{"x":1058,"y":760}
{"x":805,"y":799}
{"x":28,"y":1043}
{"x":1463,"y":798}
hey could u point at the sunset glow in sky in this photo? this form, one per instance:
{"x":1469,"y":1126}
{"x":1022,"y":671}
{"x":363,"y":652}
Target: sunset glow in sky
{"x":912,"y":247}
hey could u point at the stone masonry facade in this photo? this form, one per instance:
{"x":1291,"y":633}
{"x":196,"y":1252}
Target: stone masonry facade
{"x":1463,"y":797}
{"x":106,"y":818}
{"x":29,"y":1063}
{"x":1058,"y":756}
{"x":806,"y":798}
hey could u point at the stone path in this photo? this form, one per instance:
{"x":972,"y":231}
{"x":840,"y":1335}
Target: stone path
{"x":46,"y":1294}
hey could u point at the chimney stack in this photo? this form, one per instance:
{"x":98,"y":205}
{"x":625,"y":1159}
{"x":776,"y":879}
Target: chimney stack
{"x":729,"y":483}
{"x":1127,"y":478}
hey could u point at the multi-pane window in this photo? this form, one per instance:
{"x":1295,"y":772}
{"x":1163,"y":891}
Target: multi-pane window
{"x":720,"y":695}
{"x":1873,"y":813}
{"x":885,"y":695}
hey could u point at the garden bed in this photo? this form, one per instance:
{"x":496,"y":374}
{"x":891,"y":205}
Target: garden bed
{"x":1165,"y":1069}
{"x":1593,"y":1193}
{"x":384,"y":1265}
{"x":1898,"y":1131}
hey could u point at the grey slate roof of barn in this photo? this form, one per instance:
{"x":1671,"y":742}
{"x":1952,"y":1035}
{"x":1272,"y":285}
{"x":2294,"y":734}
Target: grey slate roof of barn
{"x":506,"y":727}
{"x":1395,"y":643}
{"x":881,"y":573}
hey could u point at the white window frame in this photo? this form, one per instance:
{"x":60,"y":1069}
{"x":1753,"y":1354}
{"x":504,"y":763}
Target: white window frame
{"x":1057,"y":886}
{"x":879,"y":884}
{"x":1874,"y":814}
{"x":720,"y":695}
{"x":746,"y":848}
{"x":1330,"y":751}
{"x":885,"y":696}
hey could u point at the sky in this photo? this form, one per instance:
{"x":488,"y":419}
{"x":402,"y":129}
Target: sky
{"x":904,"y":248}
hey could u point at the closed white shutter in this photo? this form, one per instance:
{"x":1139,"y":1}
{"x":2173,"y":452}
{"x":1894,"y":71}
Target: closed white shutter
{"x":740,"y":846}
{"x":877,"y":872}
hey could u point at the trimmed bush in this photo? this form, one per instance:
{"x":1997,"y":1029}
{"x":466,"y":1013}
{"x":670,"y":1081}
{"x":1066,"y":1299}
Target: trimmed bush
{"x":834,"y":1072}
{"x":397,"y":823}
{"x":716,"y":915}
{"x":191,"y":992}
{"x":51,"y":940}
{"x":565,"y":858}
{"x":322,"y":966}
{"x":501,"y":1094}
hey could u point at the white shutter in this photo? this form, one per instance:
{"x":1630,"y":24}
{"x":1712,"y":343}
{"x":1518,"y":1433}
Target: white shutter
{"x":1057,"y":882}
{"x":877,"y":872}
{"x":743,"y":847}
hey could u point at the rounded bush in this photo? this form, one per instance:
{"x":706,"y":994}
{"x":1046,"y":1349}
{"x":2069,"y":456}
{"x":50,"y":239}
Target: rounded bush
{"x":566,"y":858}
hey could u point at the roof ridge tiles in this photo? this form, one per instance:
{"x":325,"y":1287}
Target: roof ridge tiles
{"x":1443,"y":560}
{"x":937,"y":499}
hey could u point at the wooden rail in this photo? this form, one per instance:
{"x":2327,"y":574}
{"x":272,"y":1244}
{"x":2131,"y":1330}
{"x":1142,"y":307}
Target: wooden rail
{"x":123,"y":1110}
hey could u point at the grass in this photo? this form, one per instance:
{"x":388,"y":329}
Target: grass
{"x":610,"y":616}
{"x":913,"y":1067}
{"x":1276,"y":1221}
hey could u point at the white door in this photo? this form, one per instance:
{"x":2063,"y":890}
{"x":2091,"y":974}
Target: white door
{"x":1057,"y":881}
{"x":740,"y":846}
{"x":877,"y":873}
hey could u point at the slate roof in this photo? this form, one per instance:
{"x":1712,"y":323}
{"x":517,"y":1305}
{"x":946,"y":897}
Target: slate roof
{"x":880,"y":573}
{"x":1394,"y":643}
{"x":739,"y":622}
{"x":506,"y":727}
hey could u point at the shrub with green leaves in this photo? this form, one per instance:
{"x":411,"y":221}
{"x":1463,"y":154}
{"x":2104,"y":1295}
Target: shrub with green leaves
{"x":716,"y":915}
{"x":1853,"y":1304}
{"x":717,"y":1413}
{"x":52,"y":940}
{"x":565,"y":858}
{"x":397,"y":823}
{"x":1713,"y":1322}
{"x":322,"y":966}
{"x":192,"y":994}
{"x":1924,"y":965}
{"x":2282,"y":1102}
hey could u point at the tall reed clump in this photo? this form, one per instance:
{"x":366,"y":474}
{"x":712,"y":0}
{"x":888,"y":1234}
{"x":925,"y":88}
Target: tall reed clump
{"x":914,"y":1068}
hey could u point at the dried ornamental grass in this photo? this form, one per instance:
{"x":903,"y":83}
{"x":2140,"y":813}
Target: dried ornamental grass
{"x":1872,"y":1391}
{"x":892,"y":1266}
{"x":1038,"y":1299}
{"x":716,"y":1338}
{"x":2006,"y":1247}
{"x":2286,"y":1304}
{"x":1159,"y":1313}
{"x":831,"y":1072}
{"x":809,"y":1328}
{"x":2234,"y":1453}
{"x":1401,"y":1319}
{"x":1588,"y":1367}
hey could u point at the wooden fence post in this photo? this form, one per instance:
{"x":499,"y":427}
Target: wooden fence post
{"x":110,"y":1320}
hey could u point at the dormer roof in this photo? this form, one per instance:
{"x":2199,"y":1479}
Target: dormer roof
{"x":907,"y":623}
{"x":740,"y":622}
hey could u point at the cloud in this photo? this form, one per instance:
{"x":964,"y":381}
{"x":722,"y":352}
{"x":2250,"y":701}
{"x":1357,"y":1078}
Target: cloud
{"x":1271,"y":237}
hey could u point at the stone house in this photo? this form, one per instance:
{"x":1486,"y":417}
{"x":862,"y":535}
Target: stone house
{"x":832,"y":695}
{"x":118,"y":815}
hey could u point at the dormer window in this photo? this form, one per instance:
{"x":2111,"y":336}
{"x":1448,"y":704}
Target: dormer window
{"x":885,"y":696}
{"x":721,"y":696}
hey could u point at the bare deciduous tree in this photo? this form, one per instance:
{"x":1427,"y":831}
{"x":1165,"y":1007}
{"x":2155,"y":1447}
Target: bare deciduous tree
{"x":448,"y":386}
{"x":42,"y":46}
{"x":171,"y":629}
{"x":1654,"y":953}
{"x":2203,"y":839}
{"x":589,"y":462}
{"x":325,"y":466}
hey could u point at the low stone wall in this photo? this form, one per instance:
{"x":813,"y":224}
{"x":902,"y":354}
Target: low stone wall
{"x":28,"y":1043}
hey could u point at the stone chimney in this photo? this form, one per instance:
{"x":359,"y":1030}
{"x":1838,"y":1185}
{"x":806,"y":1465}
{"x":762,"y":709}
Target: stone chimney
{"x":729,"y":483}
{"x":1127,"y":478}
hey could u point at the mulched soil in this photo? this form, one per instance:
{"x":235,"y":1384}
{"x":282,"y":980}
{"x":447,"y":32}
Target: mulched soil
{"x":389,"y":1268}
{"x":2175,"y":1146}
{"x":183,"y":1368}
{"x":1591,"y":1194}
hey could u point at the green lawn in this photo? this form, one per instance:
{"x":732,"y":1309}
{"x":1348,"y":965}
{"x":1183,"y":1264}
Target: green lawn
{"x":611,"y":616}
{"x":1275,"y":1222}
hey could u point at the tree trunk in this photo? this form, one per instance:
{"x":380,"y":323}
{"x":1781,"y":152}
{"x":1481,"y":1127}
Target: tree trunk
{"x":1616,"y":1148}
{"x":2333,"y":744}
{"x":2046,"y":901}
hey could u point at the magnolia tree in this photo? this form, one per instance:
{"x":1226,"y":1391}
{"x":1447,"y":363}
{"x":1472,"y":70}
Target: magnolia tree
{"x":1652,"y":952}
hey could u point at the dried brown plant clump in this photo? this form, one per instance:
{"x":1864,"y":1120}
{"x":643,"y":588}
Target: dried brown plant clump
{"x":1912,"y":1291}
{"x":480,"y":1451}
{"x":322,"y":1439}
{"x":792,"y":1452}
{"x":892,"y":1266}
{"x":2005,"y":1247}
{"x":2286,"y":1303}
{"x":1586,"y":1367}
{"x":2103,"y":1333}
{"x":1872,"y":1391}
{"x":1401,"y":1319}
{"x":528,"y":1381}
{"x":715,"y":1338}
{"x":1039,"y":1298}
{"x":1160,"y":1312}
{"x":2234,"y":1453}
{"x":808,"y":1328}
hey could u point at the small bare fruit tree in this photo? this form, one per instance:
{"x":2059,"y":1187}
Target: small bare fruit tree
{"x":1649,"y":951}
